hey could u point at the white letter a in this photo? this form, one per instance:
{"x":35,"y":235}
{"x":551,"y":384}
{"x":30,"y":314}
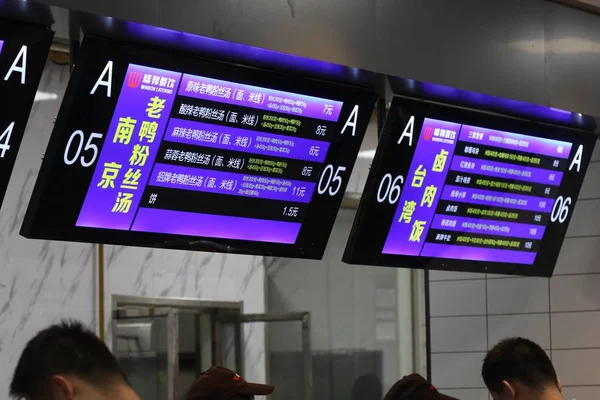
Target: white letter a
{"x":577,"y":159}
{"x":352,"y":120}
{"x":408,"y":131}
{"x":19,"y":68}
{"x":107,"y":82}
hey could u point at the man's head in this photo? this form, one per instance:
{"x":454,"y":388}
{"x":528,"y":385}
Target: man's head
{"x":68,"y":362}
{"x":518,"y":368}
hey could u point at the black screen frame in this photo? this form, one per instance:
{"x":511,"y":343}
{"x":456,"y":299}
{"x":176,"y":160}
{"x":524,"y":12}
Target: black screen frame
{"x":373,"y":220}
{"x":17,"y":99}
{"x":39,"y":222}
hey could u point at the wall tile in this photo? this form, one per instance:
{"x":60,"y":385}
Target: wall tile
{"x":457,"y":298}
{"x":575,"y":330}
{"x":457,"y":334}
{"x":499,"y":276}
{"x":596,"y":155}
{"x":579,"y":256}
{"x":457,"y":371}
{"x":453,"y":275}
{"x":535,"y":327}
{"x":581,"y":393}
{"x":585,"y":220}
{"x":577,"y":367}
{"x":517,"y":295}
{"x":590,"y":188}
{"x":575,"y":293}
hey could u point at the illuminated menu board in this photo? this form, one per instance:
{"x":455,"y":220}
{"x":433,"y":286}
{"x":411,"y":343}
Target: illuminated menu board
{"x":459,"y":190}
{"x":170,"y":151}
{"x":23,"y":52}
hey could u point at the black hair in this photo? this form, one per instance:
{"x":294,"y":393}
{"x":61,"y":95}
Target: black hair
{"x":519,"y":360}
{"x":67,"y":348}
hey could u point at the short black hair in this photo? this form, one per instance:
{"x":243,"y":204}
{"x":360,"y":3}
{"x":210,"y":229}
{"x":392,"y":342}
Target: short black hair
{"x":67,"y":348}
{"x":519,"y":360}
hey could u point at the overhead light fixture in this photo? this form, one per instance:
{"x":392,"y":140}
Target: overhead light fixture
{"x":366,"y":154}
{"x":45,"y":96}
{"x":572,"y":45}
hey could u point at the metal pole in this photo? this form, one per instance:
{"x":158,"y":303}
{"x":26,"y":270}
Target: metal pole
{"x":428,"y":324}
{"x":114,"y":331}
{"x":74,"y":36}
{"x":198,"y":343}
{"x":173,"y":354}
{"x":239,"y":351}
{"x":307,"y":352}
{"x":217,"y":345}
{"x":101,"y":291}
{"x":381,"y":104}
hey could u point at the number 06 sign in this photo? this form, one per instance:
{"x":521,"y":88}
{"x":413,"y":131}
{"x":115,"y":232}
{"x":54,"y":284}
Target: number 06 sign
{"x":454,"y":189}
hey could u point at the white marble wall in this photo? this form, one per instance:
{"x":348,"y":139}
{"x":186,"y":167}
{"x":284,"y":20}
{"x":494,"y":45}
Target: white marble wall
{"x":41,"y":281}
{"x":206,"y":276}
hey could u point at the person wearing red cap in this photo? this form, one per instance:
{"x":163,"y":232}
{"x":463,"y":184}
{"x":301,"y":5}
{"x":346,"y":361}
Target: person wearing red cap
{"x":220,"y":383}
{"x":415,"y":387}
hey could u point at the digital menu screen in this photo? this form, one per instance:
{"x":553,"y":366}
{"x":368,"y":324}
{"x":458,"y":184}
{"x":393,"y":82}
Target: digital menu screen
{"x":163,"y":150}
{"x":453,"y":189}
{"x":23,"y":52}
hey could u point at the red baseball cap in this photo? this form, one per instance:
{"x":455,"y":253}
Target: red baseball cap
{"x":220,"y":383}
{"x":415,"y":387}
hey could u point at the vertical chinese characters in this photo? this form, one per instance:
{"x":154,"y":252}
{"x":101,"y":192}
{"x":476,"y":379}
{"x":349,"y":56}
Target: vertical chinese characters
{"x":130,"y":182}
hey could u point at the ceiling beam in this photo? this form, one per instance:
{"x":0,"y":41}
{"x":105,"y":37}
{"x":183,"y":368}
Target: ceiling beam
{"x":583,"y":5}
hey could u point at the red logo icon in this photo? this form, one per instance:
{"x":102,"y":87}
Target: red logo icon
{"x":134,"y":79}
{"x":427,"y":133}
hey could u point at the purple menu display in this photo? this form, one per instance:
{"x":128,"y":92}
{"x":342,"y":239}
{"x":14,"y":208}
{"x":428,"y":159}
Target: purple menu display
{"x":197,"y":156}
{"x":477,"y":194}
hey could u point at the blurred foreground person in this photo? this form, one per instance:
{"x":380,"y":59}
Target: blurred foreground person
{"x":519,"y":369}
{"x":415,"y":387}
{"x":68,"y":362}
{"x":220,"y":383}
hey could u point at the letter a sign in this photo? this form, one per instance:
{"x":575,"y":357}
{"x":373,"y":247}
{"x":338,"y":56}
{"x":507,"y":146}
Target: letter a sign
{"x":23,"y":52}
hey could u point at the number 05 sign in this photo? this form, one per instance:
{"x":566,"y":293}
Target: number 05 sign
{"x":170,"y":151}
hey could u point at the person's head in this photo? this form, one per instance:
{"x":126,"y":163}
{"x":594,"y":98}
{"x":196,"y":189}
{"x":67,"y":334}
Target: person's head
{"x":219,"y":383}
{"x":66,"y":361}
{"x":415,"y":387}
{"x":518,"y":368}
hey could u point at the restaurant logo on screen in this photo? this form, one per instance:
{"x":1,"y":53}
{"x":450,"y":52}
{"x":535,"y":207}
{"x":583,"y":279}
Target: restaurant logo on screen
{"x":153,"y":82}
{"x":134,"y":79}
{"x":427,"y":132}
